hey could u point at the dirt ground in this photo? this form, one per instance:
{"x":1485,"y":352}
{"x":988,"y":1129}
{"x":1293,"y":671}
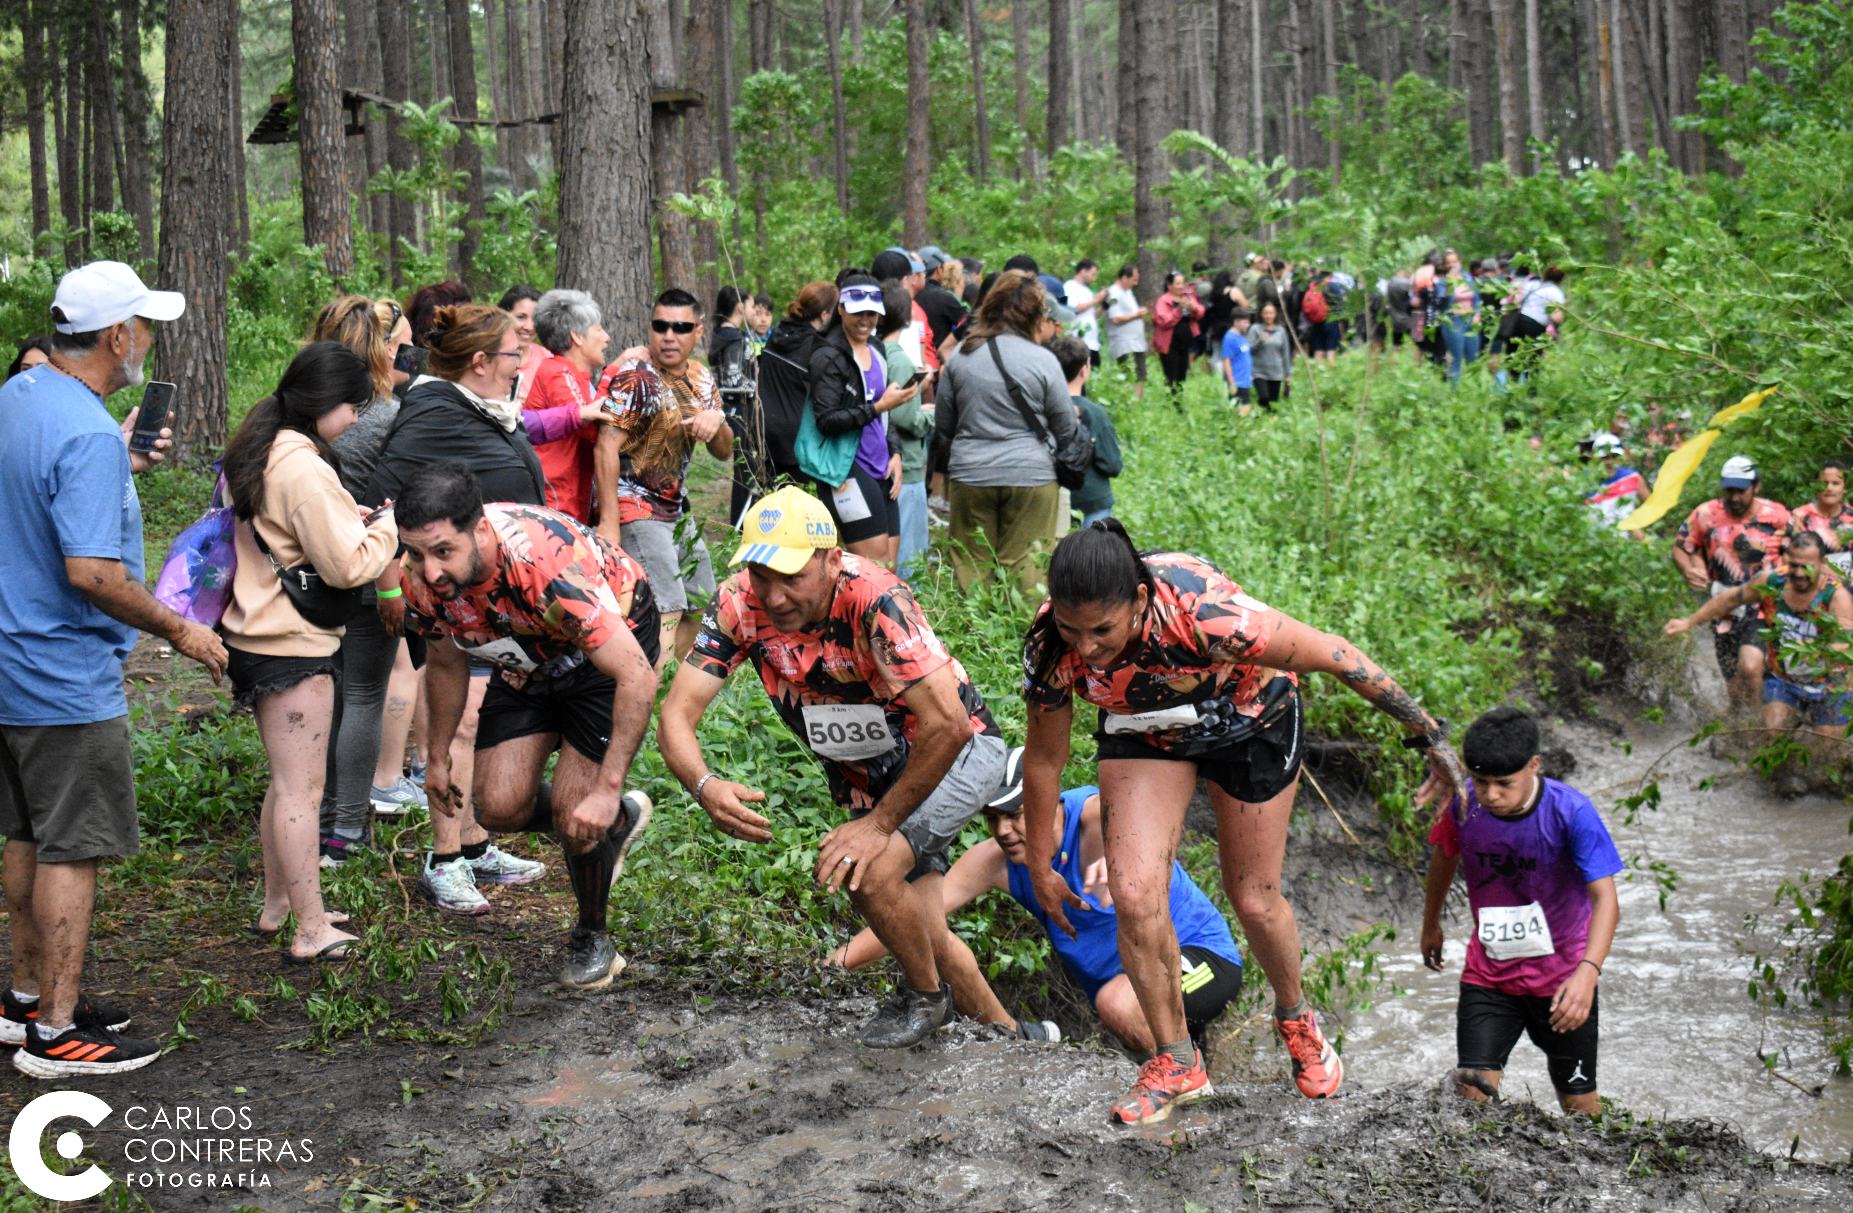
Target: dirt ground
{"x":653,"y":1096}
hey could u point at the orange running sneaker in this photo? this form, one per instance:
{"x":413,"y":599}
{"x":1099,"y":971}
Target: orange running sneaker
{"x":1316,"y":1065}
{"x":1163,"y":1083}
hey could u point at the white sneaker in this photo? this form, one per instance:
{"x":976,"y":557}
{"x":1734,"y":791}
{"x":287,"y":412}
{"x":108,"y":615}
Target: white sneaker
{"x":497,"y":866}
{"x":451,"y":887}
{"x":401,"y":798}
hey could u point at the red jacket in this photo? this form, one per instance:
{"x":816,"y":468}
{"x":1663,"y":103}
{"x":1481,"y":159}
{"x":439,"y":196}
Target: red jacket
{"x":559,"y":385}
{"x":1168,"y":317}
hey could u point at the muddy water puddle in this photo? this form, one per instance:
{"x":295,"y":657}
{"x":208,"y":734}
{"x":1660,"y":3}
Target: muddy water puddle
{"x":1680,"y":1036}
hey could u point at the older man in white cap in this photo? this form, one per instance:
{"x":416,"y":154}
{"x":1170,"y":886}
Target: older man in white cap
{"x":1723,"y":544}
{"x":72,"y":605}
{"x":910,"y":749}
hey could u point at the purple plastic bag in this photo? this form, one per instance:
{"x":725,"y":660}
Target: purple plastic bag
{"x":196,"y":577}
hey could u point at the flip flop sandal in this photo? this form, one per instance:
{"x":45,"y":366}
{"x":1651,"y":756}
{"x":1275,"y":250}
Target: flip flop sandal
{"x":339,"y":952}
{"x":336,"y":918}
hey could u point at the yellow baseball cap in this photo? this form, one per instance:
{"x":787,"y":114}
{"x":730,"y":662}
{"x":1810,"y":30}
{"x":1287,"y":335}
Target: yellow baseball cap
{"x":783,"y":529}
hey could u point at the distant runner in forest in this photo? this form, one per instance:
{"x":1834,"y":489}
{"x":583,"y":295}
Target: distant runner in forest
{"x":855,"y":671}
{"x":569,"y":622}
{"x":1540,"y":870}
{"x":1193,"y":677}
{"x":1723,"y":544}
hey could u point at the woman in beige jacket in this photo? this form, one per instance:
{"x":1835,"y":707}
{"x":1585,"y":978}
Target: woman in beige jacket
{"x":282,"y":477}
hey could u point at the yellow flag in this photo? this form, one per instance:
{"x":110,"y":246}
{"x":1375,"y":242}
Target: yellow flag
{"x":1685,"y":460}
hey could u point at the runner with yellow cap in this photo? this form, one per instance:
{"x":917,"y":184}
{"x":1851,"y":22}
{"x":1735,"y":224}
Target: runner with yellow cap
{"x":909,"y":747}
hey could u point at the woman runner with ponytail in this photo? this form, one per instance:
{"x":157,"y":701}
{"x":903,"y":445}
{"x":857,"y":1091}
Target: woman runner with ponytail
{"x":1192,"y":677}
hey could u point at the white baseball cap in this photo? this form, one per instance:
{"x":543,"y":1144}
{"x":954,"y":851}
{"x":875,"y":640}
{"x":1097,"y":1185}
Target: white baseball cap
{"x":1739,"y":472}
{"x":104,"y":293}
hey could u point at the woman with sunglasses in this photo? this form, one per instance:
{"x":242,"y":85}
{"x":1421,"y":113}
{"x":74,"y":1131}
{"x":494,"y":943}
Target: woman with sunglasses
{"x":850,"y":391}
{"x":371,"y":657}
{"x":462,"y":411}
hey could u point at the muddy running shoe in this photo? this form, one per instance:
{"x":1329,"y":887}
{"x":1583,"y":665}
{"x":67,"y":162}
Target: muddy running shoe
{"x":907,"y":1018}
{"x":451,"y":887}
{"x":624,"y":831}
{"x":401,"y":798}
{"x":1317,"y":1069}
{"x":1042,"y":1031}
{"x":591,"y":961}
{"x":79,"y":1051}
{"x":496,"y":866}
{"x":415,"y":774}
{"x":16,"y":1017}
{"x":1162,"y":1085}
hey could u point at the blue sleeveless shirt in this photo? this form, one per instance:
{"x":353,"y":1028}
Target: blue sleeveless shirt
{"x":1092,"y":957}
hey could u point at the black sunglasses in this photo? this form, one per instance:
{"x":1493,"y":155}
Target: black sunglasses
{"x":684,"y":327}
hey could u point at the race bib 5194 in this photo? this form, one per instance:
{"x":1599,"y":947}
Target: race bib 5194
{"x":1515,"y":932}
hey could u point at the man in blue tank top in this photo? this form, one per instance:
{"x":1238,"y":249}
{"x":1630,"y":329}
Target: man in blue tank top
{"x":1210,"y":966}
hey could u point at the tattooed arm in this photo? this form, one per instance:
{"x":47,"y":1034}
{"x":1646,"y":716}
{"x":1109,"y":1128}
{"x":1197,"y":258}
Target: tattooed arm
{"x":1292,"y":645}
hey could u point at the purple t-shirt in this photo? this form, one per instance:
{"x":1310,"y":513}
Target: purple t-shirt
{"x":1546,"y":858}
{"x":872,"y":451}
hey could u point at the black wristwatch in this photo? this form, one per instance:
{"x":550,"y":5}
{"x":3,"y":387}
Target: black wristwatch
{"x":1425,"y":741}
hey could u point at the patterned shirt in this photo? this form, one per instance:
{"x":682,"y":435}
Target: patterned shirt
{"x":635,"y":393}
{"x":1810,"y":518}
{"x":872,"y":647}
{"x":557,"y":592}
{"x":1734,"y":548}
{"x":1197,"y":652}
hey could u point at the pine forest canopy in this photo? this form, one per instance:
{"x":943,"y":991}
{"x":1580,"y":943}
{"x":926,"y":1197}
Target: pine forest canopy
{"x":809,"y":133}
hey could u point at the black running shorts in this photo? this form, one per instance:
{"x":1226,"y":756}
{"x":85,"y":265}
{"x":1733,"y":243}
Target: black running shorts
{"x":1489,"y":1022}
{"x":1253,"y":770}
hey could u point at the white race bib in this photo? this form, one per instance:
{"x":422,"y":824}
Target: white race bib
{"x":847,"y":732}
{"x":1184,"y":717}
{"x":850,"y":507}
{"x":504,"y":652}
{"x":1515,"y":932}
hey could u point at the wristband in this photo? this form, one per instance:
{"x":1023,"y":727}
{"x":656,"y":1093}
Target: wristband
{"x":700,"y":784}
{"x":388,"y":595}
{"x":1428,"y":740}
{"x":1592,"y":964}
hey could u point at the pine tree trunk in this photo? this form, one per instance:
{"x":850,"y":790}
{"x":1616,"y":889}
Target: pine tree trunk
{"x":759,"y":34}
{"x":65,"y":135}
{"x":515,"y":92}
{"x":541,"y":71}
{"x":918,"y":155}
{"x":467,"y":158}
{"x":1061,"y":76}
{"x":723,"y":117}
{"x":1329,"y":20}
{"x":392,"y":18}
{"x":855,"y":28}
{"x":1653,"y":80}
{"x":1295,"y":87}
{"x":321,"y":135}
{"x":1230,"y":28}
{"x":197,"y":135}
{"x":372,"y":77}
{"x":605,"y":161}
{"x":241,"y":201}
{"x":137,"y":190}
{"x":1126,"y":103}
{"x":701,"y":44}
{"x":1534,"y":73}
{"x":839,"y":124}
{"x":492,"y":68}
{"x":1019,"y":46}
{"x":1256,"y":101}
{"x":981,"y":115}
{"x":1483,"y":105}
{"x":356,"y":24}
{"x":668,"y":154}
{"x":1148,"y":205}
{"x":1683,"y":59}
{"x":32,"y":53}
{"x":1621,"y":81}
{"x":102,"y":102}
{"x":1511,"y":123}
{"x":1605,"y":84}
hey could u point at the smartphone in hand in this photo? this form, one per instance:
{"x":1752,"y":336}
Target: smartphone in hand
{"x":156,"y":415}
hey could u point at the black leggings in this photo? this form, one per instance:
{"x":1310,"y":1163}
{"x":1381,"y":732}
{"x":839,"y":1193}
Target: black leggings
{"x":1267,"y":391}
{"x":1176,"y":362}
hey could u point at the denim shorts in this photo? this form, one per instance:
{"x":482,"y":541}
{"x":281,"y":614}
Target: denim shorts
{"x":1818,"y":706}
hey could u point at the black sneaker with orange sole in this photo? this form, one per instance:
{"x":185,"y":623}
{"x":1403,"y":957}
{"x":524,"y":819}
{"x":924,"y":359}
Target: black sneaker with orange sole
{"x":79,"y":1051}
{"x":17,"y":1017}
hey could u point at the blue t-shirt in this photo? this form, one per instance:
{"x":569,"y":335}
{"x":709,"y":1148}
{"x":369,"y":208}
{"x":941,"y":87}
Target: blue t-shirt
{"x":1235,"y":353}
{"x":1092,"y":957}
{"x":65,"y":490}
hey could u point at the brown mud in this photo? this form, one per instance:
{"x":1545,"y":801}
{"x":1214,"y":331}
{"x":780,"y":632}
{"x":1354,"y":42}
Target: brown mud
{"x":650,"y":1096}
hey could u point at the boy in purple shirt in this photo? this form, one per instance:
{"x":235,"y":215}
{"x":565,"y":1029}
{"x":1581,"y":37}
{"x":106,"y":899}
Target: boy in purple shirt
{"x":1540,"y":871}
